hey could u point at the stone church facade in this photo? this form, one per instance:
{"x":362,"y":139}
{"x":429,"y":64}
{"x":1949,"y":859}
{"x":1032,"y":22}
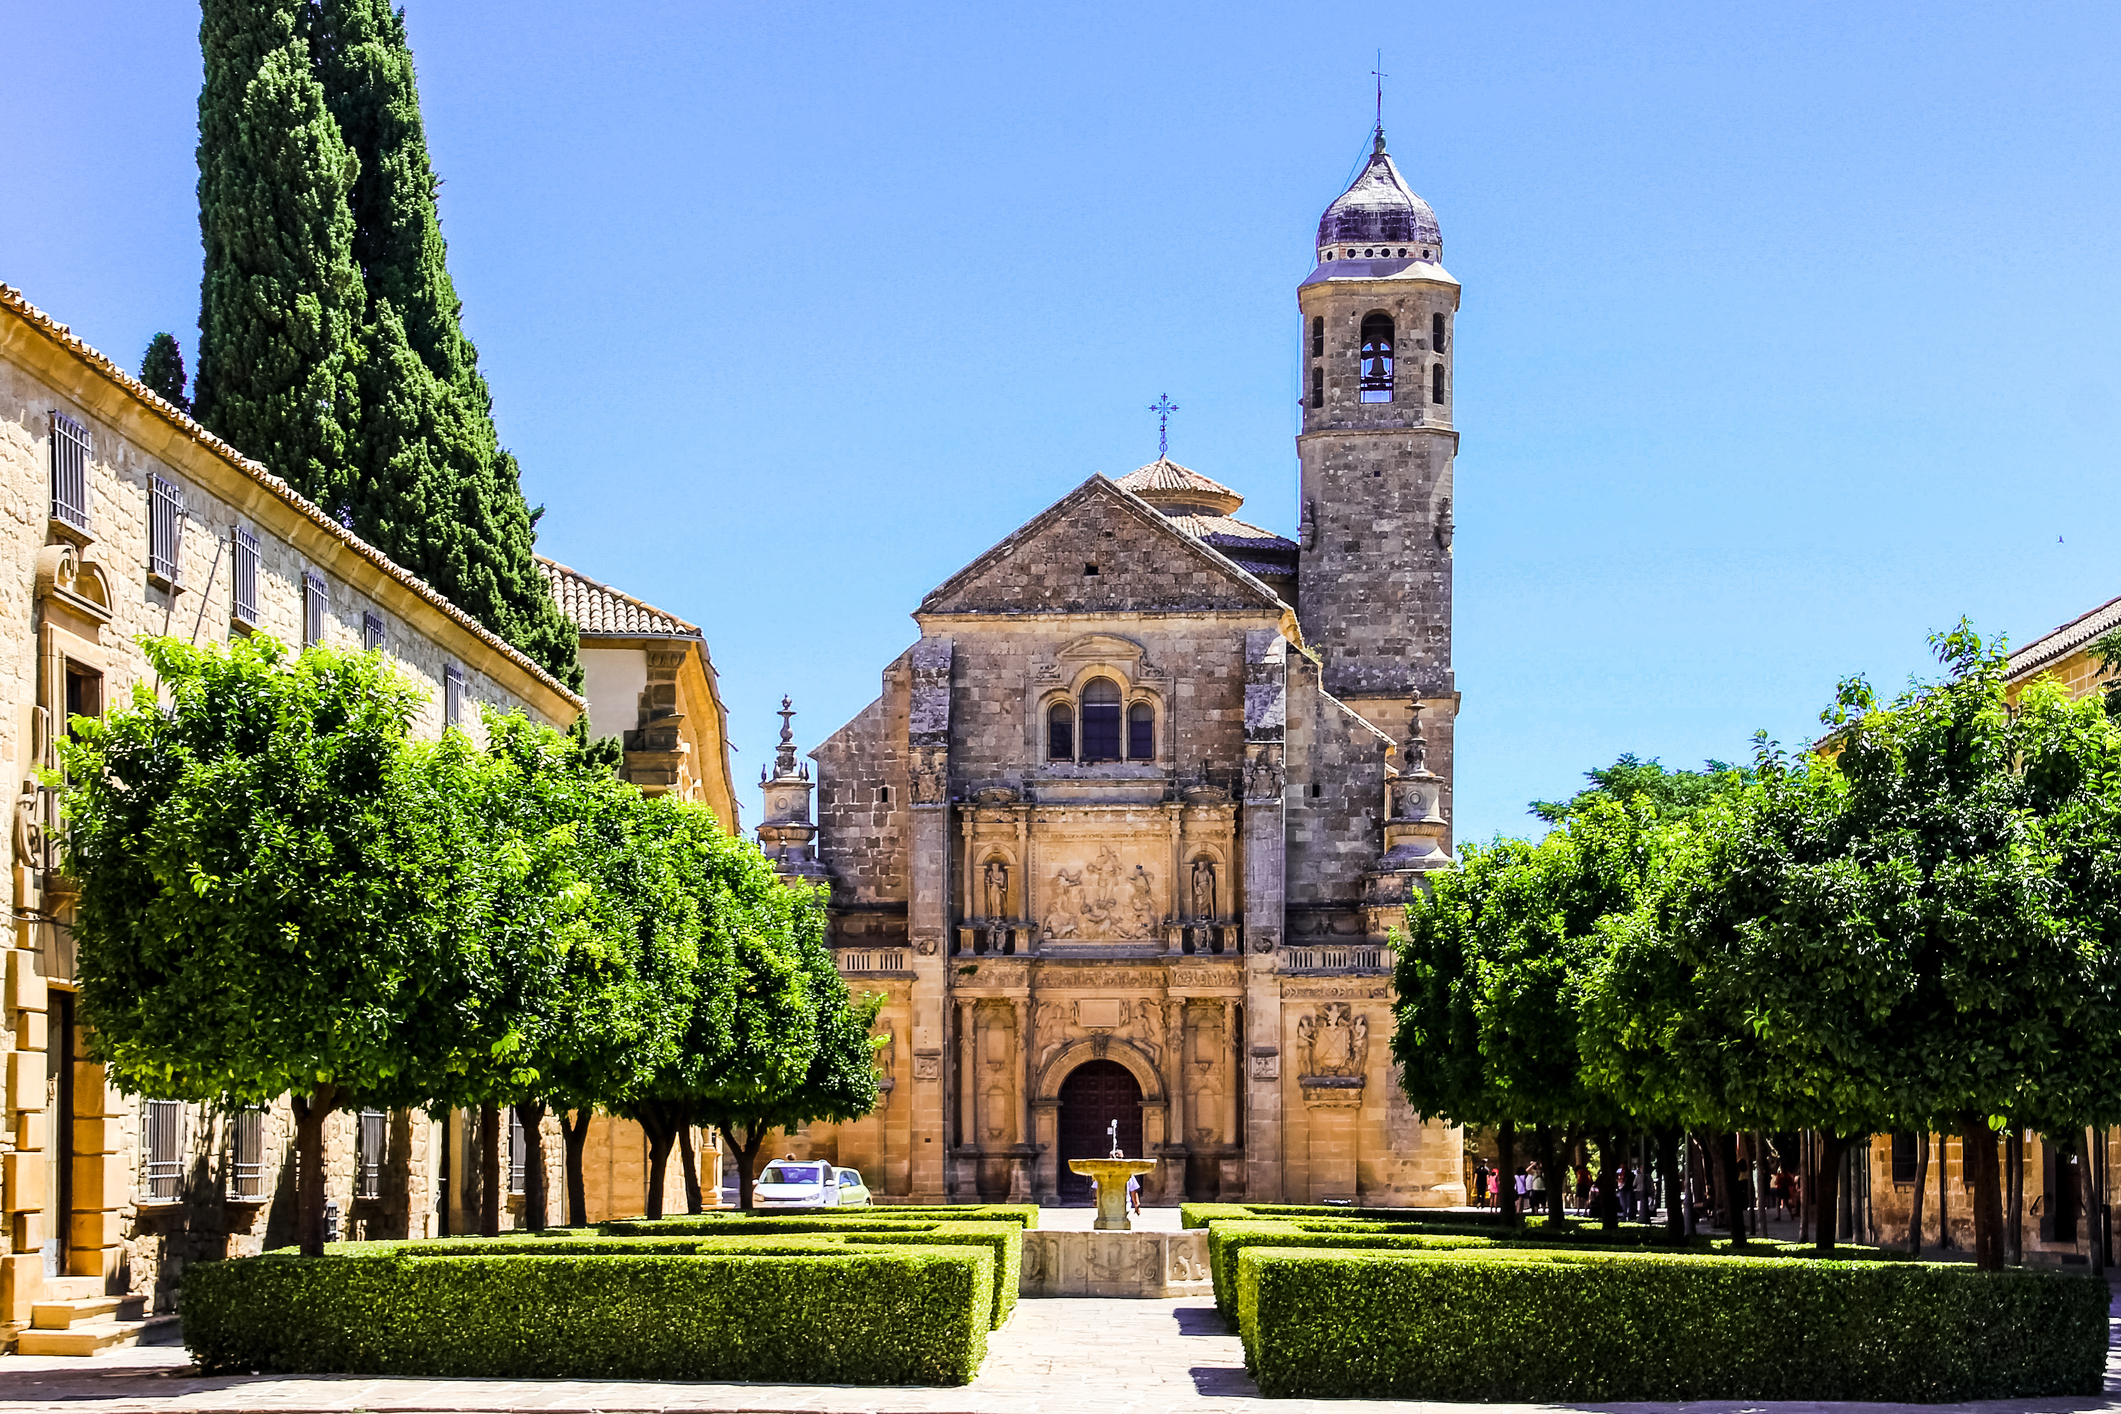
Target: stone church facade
{"x":1122,"y":838}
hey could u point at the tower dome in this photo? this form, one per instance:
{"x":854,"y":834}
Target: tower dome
{"x":1379,"y":208}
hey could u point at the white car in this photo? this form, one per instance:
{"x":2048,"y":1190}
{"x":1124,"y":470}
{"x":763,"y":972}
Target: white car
{"x":808,"y":1183}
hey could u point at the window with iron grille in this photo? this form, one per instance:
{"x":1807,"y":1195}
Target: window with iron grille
{"x":369,"y":1146}
{"x":1904,"y":1161}
{"x":452,"y":695}
{"x":518,"y":1151}
{"x":246,"y":1166}
{"x":316,"y":599}
{"x":69,"y":471}
{"x":246,"y":558}
{"x":162,"y":1149}
{"x":371,"y":631}
{"x":165,"y":528}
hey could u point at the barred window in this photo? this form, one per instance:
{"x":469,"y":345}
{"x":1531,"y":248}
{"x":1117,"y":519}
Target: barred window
{"x":1318,"y":336}
{"x":1060,"y":733}
{"x":1100,"y":720}
{"x":165,"y":528}
{"x":316,"y":600}
{"x":246,"y":1168}
{"x":70,"y":453}
{"x":1318,"y":387}
{"x":371,"y":631}
{"x":369,"y":1146}
{"x":452,"y":695}
{"x":1436,"y":384}
{"x":162,"y":1149}
{"x":1436,"y":332}
{"x":1141,"y":732}
{"x":246,"y":557}
{"x":518,"y":1151}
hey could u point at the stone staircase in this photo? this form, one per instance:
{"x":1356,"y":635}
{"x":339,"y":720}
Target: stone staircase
{"x":76,"y":1317}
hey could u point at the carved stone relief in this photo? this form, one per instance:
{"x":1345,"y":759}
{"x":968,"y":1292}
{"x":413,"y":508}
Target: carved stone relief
{"x":1335,"y":1040}
{"x":1101,"y":901}
{"x":931,"y":776}
{"x":1263,"y":771}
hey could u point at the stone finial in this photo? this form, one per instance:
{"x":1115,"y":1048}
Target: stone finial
{"x":1417,"y":744}
{"x":784,"y":755}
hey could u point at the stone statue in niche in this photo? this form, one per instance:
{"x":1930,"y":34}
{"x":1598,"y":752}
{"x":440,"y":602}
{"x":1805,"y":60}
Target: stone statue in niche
{"x":995,"y":889}
{"x":1335,"y":1040}
{"x":1203,"y":888}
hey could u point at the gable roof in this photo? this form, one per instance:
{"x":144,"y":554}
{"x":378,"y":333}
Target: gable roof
{"x":598,"y":610}
{"x":1101,"y":493}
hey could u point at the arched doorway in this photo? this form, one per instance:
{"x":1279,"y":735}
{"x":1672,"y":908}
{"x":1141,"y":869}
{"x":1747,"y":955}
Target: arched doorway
{"x":1096,"y":1093}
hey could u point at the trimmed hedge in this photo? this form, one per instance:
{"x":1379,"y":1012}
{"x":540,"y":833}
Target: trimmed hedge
{"x":800,"y":1311}
{"x":1510,"y":1324}
{"x":1002,"y":1236}
{"x":1226,"y":1240}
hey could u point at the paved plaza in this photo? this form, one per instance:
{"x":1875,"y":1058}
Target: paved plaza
{"x":1112,"y":1357}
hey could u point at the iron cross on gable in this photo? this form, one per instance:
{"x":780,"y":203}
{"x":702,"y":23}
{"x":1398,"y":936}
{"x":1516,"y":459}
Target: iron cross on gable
{"x":1163,"y":407}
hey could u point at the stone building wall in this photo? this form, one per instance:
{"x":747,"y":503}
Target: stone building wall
{"x":72,"y":605}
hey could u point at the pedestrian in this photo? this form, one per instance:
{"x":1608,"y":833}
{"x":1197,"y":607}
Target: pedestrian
{"x":1134,"y":1191}
{"x":1481,"y":1176}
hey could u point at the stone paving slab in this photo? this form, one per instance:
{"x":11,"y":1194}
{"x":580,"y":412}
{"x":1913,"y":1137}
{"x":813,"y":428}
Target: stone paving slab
{"x":1094,"y":1355}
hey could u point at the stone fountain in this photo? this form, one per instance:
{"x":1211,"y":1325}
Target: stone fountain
{"x":1110,"y":1174}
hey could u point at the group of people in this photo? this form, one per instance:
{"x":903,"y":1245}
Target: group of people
{"x":1634,"y":1189}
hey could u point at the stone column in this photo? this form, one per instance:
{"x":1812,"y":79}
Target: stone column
{"x":967,"y":1074}
{"x":1022,"y":1007}
{"x":1265,"y":895}
{"x":1232,"y":1042}
{"x":1175,"y":1067}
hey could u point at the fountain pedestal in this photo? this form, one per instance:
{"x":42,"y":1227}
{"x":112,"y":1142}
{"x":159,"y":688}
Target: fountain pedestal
{"x":1111,"y":1177}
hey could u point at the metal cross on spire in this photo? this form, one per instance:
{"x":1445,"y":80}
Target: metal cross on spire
{"x":1380,"y":75}
{"x":1163,"y":407}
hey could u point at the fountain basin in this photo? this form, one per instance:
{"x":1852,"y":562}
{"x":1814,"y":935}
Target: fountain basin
{"x":1110,"y":1176}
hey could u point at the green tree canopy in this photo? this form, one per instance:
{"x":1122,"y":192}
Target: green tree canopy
{"x":162,"y":370}
{"x":1676,"y":794}
{"x":276,"y":895}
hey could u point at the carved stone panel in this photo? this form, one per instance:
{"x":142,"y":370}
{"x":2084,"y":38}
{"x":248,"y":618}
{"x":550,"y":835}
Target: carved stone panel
{"x":1335,"y":1041}
{"x":1101,"y":900}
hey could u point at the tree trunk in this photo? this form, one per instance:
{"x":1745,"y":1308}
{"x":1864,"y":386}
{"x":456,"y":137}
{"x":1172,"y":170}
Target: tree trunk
{"x":1668,"y":1142}
{"x":1505,"y":1175}
{"x":531,"y":1115}
{"x":2094,"y":1201}
{"x":311,"y":1111}
{"x":574,"y":1128}
{"x":1726,"y":1164}
{"x":1922,"y":1175}
{"x":1608,"y":1198}
{"x":1556,"y":1192}
{"x":746,"y":1155}
{"x":661,"y":1135}
{"x":1977,"y":1152}
{"x":489,"y":1171}
{"x":1828,"y":1152}
{"x":1944,"y":1191}
{"x":688,"y":1155}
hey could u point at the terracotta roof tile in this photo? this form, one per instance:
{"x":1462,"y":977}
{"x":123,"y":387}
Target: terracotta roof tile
{"x":14,"y":301}
{"x":596,"y":608}
{"x":2045,"y":651}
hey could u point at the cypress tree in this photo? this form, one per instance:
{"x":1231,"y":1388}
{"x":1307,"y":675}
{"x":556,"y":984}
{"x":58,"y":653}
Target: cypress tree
{"x":162,"y":370}
{"x":281,"y":299}
{"x":439,"y":494}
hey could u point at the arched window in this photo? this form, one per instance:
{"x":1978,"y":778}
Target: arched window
{"x":1436,"y":384}
{"x":1318,"y":387}
{"x":1318,"y":336}
{"x":1101,"y":720}
{"x":1436,"y":332}
{"x":1141,"y":732}
{"x":1060,"y":733}
{"x":1377,"y":358}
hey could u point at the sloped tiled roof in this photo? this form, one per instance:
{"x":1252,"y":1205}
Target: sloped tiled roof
{"x":18,"y":304}
{"x":1226,"y":533}
{"x":596,"y":608}
{"x":2045,"y":651}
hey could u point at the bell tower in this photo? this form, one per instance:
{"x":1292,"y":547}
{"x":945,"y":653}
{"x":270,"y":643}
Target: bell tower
{"x":1376,"y":451}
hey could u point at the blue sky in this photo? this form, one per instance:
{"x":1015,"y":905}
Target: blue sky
{"x":1789,"y":332}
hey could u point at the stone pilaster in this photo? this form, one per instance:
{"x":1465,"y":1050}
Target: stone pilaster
{"x":1266,"y":895}
{"x":928,"y":908}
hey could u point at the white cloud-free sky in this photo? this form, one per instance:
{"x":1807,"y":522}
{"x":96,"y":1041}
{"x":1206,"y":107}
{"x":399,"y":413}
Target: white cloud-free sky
{"x":1790,"y":332}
